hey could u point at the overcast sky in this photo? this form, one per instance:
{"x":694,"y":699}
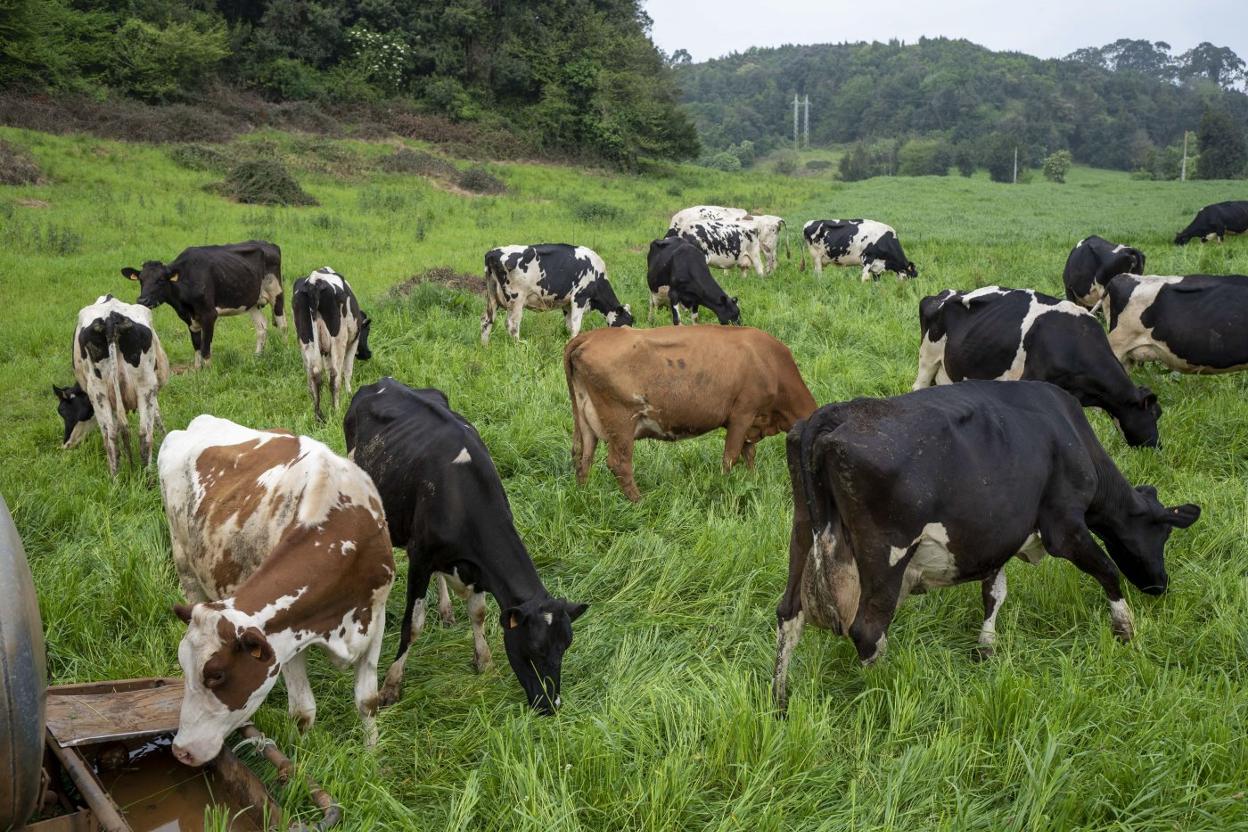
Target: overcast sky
{"x":712,"y":28}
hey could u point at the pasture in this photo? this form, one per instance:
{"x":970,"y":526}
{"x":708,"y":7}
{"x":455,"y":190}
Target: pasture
{"x":667,"y":721}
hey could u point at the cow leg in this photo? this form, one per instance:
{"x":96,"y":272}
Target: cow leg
{"x":930,"y":359}
{"x":993,"y":589}
{"x":734,"y":442}
{"x":573,"y":318}
{"x":654,"y":302}
{"x":367,"y":700}
{"x":348,"y":368}
{"x":108,"y":429}
{"x":620,"y":461}
{"x":279,"y":306}
{"x":147,"y":411}
{"x":749,"y":454}
{"x":675,"y":313}
{"x":301,"y":704}
{"x":514,"y":313}
{"x":192,"y":590}
{"x":693,"y":313}
{"x":487,"y":318}
{"x":866,"y":272}
{"x":261,"y":325}
{"x":790,"y":617}
{"x":445,"y":611}
{"x":1069,"y":538}
{"x":418,"y":574}
{"x":207,"y":324}
{"x":817,"y":260}
{"x":480,"y":647}
{"x":314,"y":370}
{"x":337,"y":364}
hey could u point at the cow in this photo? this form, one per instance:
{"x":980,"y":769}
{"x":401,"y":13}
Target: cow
{"x":769,"y":226}
{"x":120,"y":366}
{"x":678,"y":276}
{"x":867,"y":243}
{"x":279,"y":544}
{"x":675,"y":383}
{"x":548,"y":276}
{"x":945,"y":485}
{"x":1193,"y":324}
{"x":445,"y":504}
{"x":332,"y":331}
{"x":727,"y":244}
{"x":1012,"y":334}
{"x":207,"y":282}
{"x":1216,"y":220}
{"x":1092,"y":262}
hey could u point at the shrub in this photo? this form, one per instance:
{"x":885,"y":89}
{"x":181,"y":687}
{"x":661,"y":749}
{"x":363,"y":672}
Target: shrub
{"x":818,"y":165}
{"x":406,"y":160}
{"x":594,"y":212}
{"x":1056,"y":165}
{"x":786,"y":164}
{"x":998,"y":156}
{"x":264,"y":182}
{"x":158,"y":64}
{"x":924,"y":157}
{"x":964,"y":158}
{"x":16,"y":167}
{"x":198,"y":157}
{"x":722,"y":160}
{"x":860,"y":163}
{"x":480,"y":181}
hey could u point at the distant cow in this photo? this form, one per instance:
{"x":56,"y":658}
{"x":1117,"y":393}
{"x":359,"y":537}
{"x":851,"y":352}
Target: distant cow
{"x":1216,"y":220}
{"x":120,"y":367}
{"x":548,"y":276}
{"x":678,"y":276}
{"x":872,"y":245}
{"x":727,"y":244}
{"x":946,"y":485}
{"x":332,"y":330}
{"x":1092,"y":262}
{"x":1193,"y":324}
{"x":1012,"y":334}
{"x":280,"y":544}
{"x":769,"y":226}
{"x":446,"y":505}
{"x":207,"y":282}
{"x":675,"y":383}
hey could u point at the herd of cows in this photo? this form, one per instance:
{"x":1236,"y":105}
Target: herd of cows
{"x":280,"y":544}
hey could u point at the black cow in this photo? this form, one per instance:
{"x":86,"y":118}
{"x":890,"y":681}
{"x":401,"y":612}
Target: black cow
{"x":867,"y":243}
{"x":332,"y":330}
{"x":1012,"y":334}
{"x":678,"y":276}
{"x":946,"y":485}
{"x":445,"y":504}
{"x":207,"y":282}
{"x":1193,"y":324}
{"x":548,"y":276}
{"x":1216,"y":220}
{"x":1092,"y":262}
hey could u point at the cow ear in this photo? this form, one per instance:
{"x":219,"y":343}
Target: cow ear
{"x":254,"y":643}
{"x":130,"y":273}
{"x":173,"y":277}
{"x":1148,"y":491}
{"x":512,"y":617}
{"x":60,"y":391}
{"x":1148,"y":399}
{"x":1182,"y":516}
{"x":183,"y":611}
{"x":574,"y":611}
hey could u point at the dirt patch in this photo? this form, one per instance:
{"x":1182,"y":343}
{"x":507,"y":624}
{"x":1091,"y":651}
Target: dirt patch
{"x":17,"y":167}
{"x":33,"y":203}
{"x":442,"y":276}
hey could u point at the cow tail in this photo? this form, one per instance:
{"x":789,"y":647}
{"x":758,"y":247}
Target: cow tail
{"x":118,"y":404}
{"x":803,"y":265}
{"x":822,"y":511}
{"x":312,"y":292}
{"x":578,"y":438}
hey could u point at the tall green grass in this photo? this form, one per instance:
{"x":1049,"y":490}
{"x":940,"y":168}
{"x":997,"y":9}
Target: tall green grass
{"x":666,"y":722}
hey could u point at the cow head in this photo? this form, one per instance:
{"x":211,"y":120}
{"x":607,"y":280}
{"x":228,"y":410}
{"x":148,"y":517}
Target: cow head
{"x":1135,"y":536}
{"x":620,"y":316}
{"x":362,"y":351}
{"x":156,"y":282}
{"x":74,"y":406}
{"x":1138,"y":420}
{"x":888,"y":248}
{"x":726,"y":309}
{"x":536,"y":634}
{"x":1137,"y":261}
{"x":228,"y":668}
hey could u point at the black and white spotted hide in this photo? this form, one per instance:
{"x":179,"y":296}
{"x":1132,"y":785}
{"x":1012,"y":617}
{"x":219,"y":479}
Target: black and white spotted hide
{"x":333,"y":332}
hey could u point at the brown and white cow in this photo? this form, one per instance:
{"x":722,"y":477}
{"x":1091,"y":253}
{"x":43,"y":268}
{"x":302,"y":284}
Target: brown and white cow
{"x":280,"y":544}
{"x":120,"y":367}
{"x":674,"y":383}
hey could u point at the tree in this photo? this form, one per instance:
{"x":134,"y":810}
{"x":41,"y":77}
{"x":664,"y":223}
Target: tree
{"x":997,"y":154}
{"x":1217,"y":63}
{"x":1055,"y":166}
{"x":1223,"y":148}
{"x":680,"y":57}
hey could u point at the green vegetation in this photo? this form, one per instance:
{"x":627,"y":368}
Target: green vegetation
{"x":666,"y":722}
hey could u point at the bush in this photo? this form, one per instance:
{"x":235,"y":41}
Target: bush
{"x":998,"y":157}
{"x":198,"y":157}
{"x":964,"y":158}
{"x":924,"y":157}
{"x":406,"y":160}
{"x":481,"y":181}
{"x":16,"y":167}
{"x":722,"y":160}
{"x":786,"y":164}
{"x":264,"y":182}
{"x":158,"y":64}
{"x":596,"y":212}
{"x":1056,"y":165}
{"x":818,"y":165}
{"x":862,"y":162}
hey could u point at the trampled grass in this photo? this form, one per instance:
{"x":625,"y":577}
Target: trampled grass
{"x":666,"y":721}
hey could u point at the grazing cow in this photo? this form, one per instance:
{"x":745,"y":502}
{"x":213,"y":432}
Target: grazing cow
{"x":946,"y":485}
{"x":446,"y":505}
{"x":332,"y":330}
{"x":120,"y":367}
{"x":279,"y":544}
{"x":207,"y":282}
{"x":727,"y":243}
{"x":1193,"y":324}
{"x":675,"y":383}
{"x":678,"y":276}
{"x":1092,"y":262}
{"x":1012,"y":334}
{"x":769,"y":226}
{"x":867,"y":243}
{"x":1216,"y":220}
{"x":548,"y":276}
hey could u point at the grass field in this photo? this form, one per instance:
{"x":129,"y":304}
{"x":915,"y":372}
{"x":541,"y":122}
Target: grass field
{"x":666,"y":723}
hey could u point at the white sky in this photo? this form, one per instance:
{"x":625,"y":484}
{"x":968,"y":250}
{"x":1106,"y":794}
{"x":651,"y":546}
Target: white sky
{"x":712,"y":28}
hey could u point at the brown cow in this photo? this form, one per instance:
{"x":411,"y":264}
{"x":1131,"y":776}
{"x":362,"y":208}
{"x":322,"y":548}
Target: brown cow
{"x":677,"y":382}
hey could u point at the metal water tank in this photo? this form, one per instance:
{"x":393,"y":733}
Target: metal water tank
{"x":23,"y":680}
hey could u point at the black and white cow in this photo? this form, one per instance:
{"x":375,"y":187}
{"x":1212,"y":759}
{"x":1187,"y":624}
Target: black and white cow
{"x":678,"y":276}
{"x":867,"y":243}
{"x":207,"y":282}
{"x":728,"y":243}
{"x":548,"y":276}
{"x":333,"y":332}
{"x":1194,"y":324}
{"x":944,"y":486}
{"x":1216,"y":220}
{"x":120,"y":367}
{"x":1012,"y":334}
{"x":1092,"y":262}
{"x":445,"y":504}
{"x":769,"y":226}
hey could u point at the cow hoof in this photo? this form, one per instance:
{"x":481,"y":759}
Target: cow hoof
{"x":389,"y":695}
{"x":982,"y":652}
{"x":1124,"y":634}
{"x":448,"y":618}
{"x":483,"y":667}
{"x":304,"y":722}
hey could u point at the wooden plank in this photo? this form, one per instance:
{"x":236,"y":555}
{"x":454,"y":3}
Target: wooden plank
{"x":82,"y":714}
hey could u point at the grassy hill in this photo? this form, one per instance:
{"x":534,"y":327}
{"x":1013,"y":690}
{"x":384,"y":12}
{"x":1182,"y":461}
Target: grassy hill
{"x":666,"y":721}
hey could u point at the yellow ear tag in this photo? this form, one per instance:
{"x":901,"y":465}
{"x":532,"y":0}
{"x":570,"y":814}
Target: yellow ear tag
{"x":513,"y":623}
{"x":173,"y":278}
{"x":257,"y":652}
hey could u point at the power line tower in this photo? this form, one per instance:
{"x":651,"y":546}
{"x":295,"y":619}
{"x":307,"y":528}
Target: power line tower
{"x":795,"y":106}
{"x":806,"y":125}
